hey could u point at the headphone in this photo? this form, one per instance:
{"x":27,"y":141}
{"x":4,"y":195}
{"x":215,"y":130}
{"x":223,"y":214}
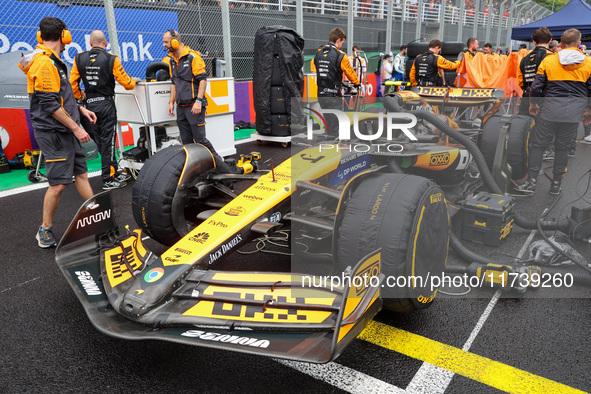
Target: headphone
{"x":66,"y":37}
{"x":174,"y":42}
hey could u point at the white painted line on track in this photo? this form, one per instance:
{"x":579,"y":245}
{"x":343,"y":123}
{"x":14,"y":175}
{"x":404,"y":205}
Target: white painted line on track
{"x":36,"y":186}
{"x":342,"y":377}
{"x":429,"y":379}
{"x":434,"y":380}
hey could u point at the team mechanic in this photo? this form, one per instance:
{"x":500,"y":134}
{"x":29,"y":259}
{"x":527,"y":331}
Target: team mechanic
{"x":563,"y":85}
{"x":189,"y":80}
{"x":424,"y":70}
{"x":330,"y":64}
{"x":530,"y":63}
{"x":98,"y":70}
{"x":56,"y":121}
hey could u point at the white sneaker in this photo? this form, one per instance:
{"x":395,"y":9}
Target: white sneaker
{"x":586,"y":140}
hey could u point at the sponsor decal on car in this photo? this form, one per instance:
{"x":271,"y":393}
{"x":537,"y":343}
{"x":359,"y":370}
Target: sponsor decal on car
{"x":199,"y":238}
{"x":225,"y":248}
{"x":88,"y":283}
{"x":184,"y":251}
{"x":217,"y":224}
{"x":97,"y":217}
{"x":227,"y":338}
{"x":235,"y":211}
{"x":440,"y":159}
{"x":264,"y":188}
{"x":153,"y":275}
{"x":122,"y":261}
{"x":252,"y":198}
{"x":346,"y":172}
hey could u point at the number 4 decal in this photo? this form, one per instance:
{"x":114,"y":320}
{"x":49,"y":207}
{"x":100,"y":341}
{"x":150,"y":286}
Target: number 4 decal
{"x":311,"y":159}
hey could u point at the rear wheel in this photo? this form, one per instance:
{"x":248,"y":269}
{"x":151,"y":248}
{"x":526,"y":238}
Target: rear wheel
{"x":406,"y":216}
{"x":155,"y":188}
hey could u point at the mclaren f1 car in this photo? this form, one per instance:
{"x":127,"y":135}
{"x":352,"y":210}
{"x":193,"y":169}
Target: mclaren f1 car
{"x":368,"y":211}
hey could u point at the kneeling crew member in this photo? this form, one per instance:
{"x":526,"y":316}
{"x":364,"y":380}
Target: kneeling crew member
{"x":98,"y":70}
{"x":424,"y":70}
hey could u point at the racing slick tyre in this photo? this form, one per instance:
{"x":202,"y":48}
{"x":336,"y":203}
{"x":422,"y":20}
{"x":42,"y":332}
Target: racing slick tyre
{"x":451,"y":48}
{"x":406,"y":216}
{"x":158,"y":71}
{"x":415,"y":49}
{"x":155,"y":188}
{"x":517,"y":149}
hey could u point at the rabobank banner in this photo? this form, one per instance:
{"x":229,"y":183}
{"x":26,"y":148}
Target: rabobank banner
{"x":139,"y":32}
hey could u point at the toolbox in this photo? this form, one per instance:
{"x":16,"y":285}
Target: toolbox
{"x":487,"y":218}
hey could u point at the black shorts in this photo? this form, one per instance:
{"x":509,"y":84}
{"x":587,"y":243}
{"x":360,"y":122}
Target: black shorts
{"x":63,"y":154}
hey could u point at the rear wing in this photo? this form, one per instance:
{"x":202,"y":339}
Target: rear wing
{"x":292,"y":316}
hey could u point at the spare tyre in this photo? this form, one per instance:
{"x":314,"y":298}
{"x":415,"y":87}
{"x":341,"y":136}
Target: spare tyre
{"x":417,"y":48}
{"x":406,"y":216}
{"x":451,"y":48}
{"x":159,"y":71}
{"x":517,"y":147}
{"x":157,"y":212}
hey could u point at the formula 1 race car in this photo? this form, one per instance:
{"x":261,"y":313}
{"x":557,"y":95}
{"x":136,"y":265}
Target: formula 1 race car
{"x":371,"y":210}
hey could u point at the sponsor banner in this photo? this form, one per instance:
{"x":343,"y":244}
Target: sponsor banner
{"x":138,"y":50}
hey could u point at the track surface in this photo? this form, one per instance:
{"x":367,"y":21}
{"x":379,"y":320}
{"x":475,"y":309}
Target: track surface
{"x":537,"y":344}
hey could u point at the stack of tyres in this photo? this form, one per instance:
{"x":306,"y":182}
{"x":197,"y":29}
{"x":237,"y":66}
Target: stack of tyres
{"x":279,"y":115}
{"x":277,"y":78}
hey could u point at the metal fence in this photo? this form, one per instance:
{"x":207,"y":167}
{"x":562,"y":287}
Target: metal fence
{"x":223,"y":31}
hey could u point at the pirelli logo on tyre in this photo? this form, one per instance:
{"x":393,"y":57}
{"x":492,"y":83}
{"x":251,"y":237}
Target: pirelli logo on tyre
{"x":440,"y":159}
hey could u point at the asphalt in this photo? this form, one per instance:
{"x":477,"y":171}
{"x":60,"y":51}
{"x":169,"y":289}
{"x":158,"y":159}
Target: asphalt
{"x":48,"y":344}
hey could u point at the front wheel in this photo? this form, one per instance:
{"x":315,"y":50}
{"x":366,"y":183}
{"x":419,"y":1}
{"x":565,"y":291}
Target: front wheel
{"x":406,"y":216}
{"x":159,"y":214}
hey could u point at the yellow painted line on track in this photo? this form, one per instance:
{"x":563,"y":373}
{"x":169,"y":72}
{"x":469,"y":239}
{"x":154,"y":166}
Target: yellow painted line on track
{"x":470,"y":365}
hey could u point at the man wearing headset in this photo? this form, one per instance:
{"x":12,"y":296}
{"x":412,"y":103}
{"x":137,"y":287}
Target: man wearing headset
{"x":55,"y":116}
{"x":98,"y":70}
{"x":189,"y":80}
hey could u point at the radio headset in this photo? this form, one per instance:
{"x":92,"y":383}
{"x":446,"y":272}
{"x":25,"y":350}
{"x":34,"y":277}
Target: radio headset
{"x":66,"y":37}
{"x":174,"y":41}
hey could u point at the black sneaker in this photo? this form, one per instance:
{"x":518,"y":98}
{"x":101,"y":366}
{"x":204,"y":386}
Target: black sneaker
{"x":122,"y":177}
{"x":571,"y":152}
{"x":109,"y":185}
{"x":555,"y":188}
{"x":45,"y":238}
{"x":528,"y":188}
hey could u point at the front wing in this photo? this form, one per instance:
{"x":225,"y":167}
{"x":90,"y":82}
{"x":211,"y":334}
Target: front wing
{"x":284,"y":315}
